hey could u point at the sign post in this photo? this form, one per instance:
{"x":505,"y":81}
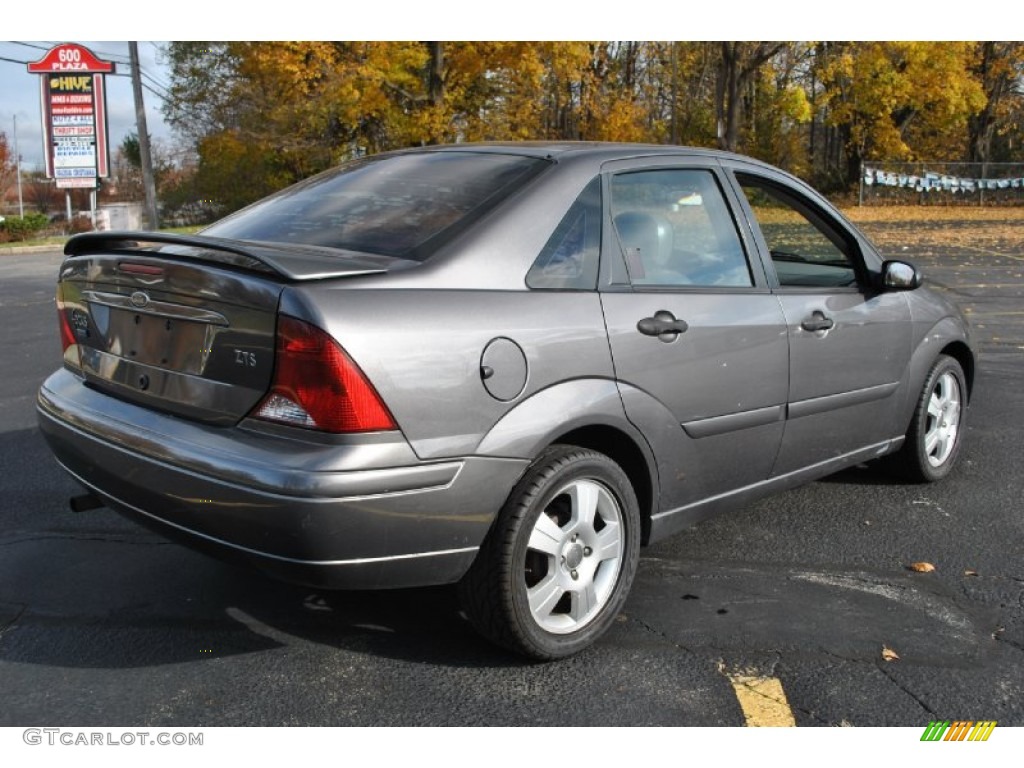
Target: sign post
{"x":74,"y":99}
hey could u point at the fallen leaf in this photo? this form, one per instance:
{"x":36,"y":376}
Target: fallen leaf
{"x":921,"y":567}
{"x":889,"y":654}
{"x":970,"y":572}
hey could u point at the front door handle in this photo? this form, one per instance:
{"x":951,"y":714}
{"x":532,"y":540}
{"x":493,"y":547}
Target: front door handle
{"x":817,"y":322}
{"x":664,"y":325}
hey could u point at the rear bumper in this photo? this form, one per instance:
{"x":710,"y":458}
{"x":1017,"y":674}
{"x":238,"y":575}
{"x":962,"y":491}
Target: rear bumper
{"x":358,"y":515}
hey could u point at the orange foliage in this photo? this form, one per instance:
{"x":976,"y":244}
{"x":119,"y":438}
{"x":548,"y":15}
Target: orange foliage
{"x":290,"y":109}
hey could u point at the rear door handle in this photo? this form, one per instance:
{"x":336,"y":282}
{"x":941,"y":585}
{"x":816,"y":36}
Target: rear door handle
{"x":664,"y":325}
{"x":817,"y":322}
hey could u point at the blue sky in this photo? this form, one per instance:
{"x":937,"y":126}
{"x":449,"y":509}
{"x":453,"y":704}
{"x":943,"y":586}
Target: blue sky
{"x":19,"y":93}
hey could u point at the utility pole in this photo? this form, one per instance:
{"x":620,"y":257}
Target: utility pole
{"x":17,"y":160}
{"x":140,"y":123}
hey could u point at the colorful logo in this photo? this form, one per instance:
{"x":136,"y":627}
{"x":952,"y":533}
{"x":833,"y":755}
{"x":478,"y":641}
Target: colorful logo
{"x":958,"y":730}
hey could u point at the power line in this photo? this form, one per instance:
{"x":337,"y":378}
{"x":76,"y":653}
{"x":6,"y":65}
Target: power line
{"x":155,"y":81}
{"x":27,"y":45}
{"x":120,"y":58}
{"x":117,"y":58}
{"x":161,"y":93}
{"x":155,"y":93}
{"x":161,"y":96}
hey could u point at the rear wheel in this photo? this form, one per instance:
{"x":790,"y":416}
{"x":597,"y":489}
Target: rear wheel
{"x":557,"y":566}
{"x":933,"y":440}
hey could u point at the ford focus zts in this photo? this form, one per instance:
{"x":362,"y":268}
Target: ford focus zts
{"x":507,"y":366}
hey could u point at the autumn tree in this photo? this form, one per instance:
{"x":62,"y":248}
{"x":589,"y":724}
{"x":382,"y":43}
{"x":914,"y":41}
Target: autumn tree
{"x":41,"y":193}
{"x":287,"y":110}
{"x":738,"y":64}
{"x":901,"y":100}
{"x":779,"y":110}
{"x":998,"y":67}
{"x":8,"y":169}
{"x":260,"y":115}
{"x":687,"y":74}
{"x":202,"y":90}
{"x":127,"y":167}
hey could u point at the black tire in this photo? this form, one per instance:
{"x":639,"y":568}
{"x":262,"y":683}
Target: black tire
{"x":584,"y":570}
{"x":937,"y":427}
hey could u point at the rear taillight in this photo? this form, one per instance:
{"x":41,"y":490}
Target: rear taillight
{"x":317,"y":386}
{"x":72,"y":354}
{"x":67,"y":336}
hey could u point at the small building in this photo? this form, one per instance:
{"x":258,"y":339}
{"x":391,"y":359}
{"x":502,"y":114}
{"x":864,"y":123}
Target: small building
{"x":122,"y":216}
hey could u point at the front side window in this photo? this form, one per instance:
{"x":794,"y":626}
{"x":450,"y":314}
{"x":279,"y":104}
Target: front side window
{"x":675,"y":229}
{"x":806,"y":251}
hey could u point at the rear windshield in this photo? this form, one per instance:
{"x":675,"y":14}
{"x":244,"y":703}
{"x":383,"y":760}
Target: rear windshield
{"x":398,"y":205}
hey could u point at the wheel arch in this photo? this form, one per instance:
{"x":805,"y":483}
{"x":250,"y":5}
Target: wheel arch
{"x":587,"y":413}
{"x":960,"y":352}
{"x":948,"y":336}
{"x":624,"y":451}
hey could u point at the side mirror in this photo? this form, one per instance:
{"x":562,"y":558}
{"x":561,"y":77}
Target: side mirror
{"x":900,"y":276}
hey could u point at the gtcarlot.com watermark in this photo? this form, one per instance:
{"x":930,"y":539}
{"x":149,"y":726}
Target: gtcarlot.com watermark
{"x":71,"y":738}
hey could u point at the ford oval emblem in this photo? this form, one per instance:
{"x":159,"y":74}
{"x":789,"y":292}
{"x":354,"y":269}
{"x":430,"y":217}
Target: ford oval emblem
{"x":139,"y":299}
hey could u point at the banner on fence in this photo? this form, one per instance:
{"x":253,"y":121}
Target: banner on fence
{"x":936,"y":182}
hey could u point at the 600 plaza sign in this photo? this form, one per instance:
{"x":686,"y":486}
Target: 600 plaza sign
{"x":74,"y":100}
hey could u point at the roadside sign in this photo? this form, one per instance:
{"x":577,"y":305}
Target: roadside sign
{"x":70,"y":57}
{"x":74,"y":99}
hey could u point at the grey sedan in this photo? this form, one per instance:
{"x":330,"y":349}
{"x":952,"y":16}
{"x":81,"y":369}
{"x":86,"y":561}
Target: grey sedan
{"x":506,"y":366}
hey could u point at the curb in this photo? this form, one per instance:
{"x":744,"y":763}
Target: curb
{"x":17,"y":249}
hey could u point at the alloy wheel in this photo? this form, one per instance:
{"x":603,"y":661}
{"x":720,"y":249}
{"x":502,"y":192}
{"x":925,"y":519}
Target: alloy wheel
{"x":943,"y":419}
{"x":573,"y":556}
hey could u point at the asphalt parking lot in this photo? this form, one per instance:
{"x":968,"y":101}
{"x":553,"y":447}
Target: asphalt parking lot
{"x":803,"y":602}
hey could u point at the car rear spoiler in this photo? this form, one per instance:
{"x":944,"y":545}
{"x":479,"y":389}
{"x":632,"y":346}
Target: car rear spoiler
{"x":292,"y":262}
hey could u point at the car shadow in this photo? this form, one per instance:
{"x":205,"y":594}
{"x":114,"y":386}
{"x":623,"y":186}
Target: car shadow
{"x":874,"y":473}
{"x":232,"y":611}
{"x":131,"y":600}
{"x":96,"y":590}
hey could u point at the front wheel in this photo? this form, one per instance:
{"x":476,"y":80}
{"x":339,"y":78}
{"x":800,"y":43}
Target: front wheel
{"x":557,"y":566}
{"x":936,"y":430}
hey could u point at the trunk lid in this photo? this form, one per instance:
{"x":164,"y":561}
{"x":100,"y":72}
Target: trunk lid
{"x":185,"y":324}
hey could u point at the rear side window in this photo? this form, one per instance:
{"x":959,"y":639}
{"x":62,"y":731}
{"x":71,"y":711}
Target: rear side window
{"x":399,"y":205}
{"x":676,"y":230}
{"x":569,"y":260}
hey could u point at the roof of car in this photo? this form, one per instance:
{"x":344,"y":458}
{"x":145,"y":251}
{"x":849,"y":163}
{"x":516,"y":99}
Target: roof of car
{"x":595,"y":150}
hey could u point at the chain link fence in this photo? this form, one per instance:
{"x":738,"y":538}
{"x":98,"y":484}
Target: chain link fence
{"x":941,"y":184}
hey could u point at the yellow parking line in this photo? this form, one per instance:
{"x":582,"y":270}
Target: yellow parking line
{"x":763,"y":701}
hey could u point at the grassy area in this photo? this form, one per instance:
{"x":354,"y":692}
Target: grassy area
{"x":183,"y":230}
{"x":59,"y":240}
{"x":935,"y":229}
{"x":895,"y":214}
